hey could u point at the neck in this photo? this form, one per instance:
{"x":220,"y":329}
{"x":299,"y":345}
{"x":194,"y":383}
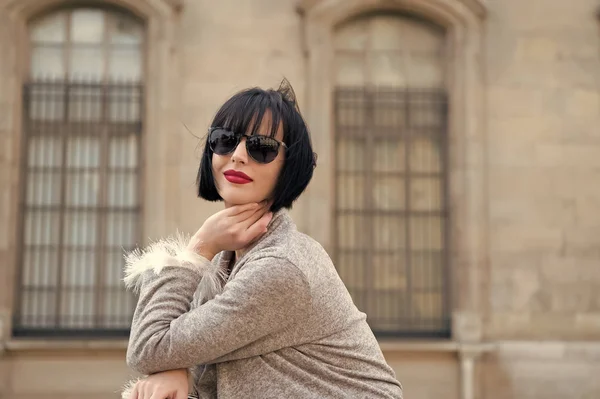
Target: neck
{"x":240,"y":252}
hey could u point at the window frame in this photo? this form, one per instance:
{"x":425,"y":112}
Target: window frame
{"x":464,"y":22}
{"x":18,"y":329}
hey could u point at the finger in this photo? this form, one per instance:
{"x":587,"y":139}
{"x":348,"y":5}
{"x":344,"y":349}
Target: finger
{"x":253,"y":218}
{"x":160,"y":395}
{"x":146,"y":391}
{"x":237,"y":209}
{"x":180,"y":394}
{"x":250,"y":216}
{"x":259,"y":227}
{"x":135,"y":393}
{"x":243,"y":216}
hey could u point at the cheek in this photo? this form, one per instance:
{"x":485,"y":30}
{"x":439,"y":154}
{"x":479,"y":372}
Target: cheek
{"x":275,"y":171}
{"x":217,"y":162}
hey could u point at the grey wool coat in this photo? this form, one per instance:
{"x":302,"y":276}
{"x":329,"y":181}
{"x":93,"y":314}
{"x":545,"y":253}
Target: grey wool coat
{"x":280,"y":325}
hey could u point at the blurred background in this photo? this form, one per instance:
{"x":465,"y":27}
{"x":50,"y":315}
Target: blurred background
{"x":456,"y":190}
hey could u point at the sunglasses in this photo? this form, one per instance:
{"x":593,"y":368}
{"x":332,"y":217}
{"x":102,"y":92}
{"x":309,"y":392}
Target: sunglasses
{"x":262,"y":149}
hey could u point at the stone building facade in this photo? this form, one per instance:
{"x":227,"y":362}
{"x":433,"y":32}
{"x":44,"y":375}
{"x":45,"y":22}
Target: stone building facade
{"x":456,"y":189}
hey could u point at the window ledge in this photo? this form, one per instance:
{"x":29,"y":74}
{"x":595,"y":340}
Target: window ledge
{"x":397,"y":345}
{"x":23,"y":345}
{"x":391,"y":345}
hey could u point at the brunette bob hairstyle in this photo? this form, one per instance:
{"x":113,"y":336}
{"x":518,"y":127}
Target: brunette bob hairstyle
{"x":243,"y":113}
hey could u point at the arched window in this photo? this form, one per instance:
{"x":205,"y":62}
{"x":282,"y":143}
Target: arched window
{"x":81,"y":171}
{"x":390,"y":139}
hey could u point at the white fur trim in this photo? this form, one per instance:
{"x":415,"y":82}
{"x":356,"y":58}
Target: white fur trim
{"x":172,"y":251}
{"x":128,"y":388}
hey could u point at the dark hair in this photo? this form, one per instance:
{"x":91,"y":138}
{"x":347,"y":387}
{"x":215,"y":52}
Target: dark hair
{"x":245,"y":110}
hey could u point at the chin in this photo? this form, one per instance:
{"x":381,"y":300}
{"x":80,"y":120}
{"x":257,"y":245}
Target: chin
{"x":238,"y":198}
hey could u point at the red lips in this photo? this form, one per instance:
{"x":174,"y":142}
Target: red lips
{"x":236,"y":177}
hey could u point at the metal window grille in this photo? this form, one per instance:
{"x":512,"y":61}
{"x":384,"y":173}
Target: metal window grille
{"x":391,"y":208}
{"x":80,"y":206}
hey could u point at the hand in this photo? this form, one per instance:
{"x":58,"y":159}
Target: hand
{"x":172,"y":384}
{"x":231,"y":229}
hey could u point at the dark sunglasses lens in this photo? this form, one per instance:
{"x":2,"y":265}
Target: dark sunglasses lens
{"x":222,"y":141}
{"x":262,"y":149}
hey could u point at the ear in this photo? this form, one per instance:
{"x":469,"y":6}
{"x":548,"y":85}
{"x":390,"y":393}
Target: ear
{"x":287,"y":92}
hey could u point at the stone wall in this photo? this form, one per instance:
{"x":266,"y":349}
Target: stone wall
{"x":524,"y":187}
{"x":543,"y":111}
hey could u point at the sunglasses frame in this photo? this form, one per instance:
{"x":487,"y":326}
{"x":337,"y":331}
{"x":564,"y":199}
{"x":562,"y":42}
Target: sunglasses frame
{"x":239,"y":137}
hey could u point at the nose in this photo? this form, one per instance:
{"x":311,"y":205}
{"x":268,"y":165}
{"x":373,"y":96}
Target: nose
{"x":240,"y":154}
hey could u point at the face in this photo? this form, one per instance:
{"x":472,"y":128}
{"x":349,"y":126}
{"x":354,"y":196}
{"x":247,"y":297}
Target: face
{"x":262,"y":178}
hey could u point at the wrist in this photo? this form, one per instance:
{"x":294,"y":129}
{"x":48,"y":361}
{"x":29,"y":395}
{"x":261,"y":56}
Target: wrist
{"x":206,"y":252}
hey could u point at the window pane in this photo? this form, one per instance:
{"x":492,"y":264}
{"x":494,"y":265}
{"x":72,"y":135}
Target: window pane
{"x":124,"y":103}
{"x":425,"y":155}
{"x":118,"y":306}
{"x":82,"y":189}
{"x":125,"y":29}
{"x":47,"y":62}
{"x":390,"y":156}
{"x":87,"y":26}
{"x":122,"y":189}
{"x":352,"y":36}
{"x":113,"y":271}
{"x":79,"y":268}
{"x":389,"y":114}
{"x":387,"y":33}
{"x":40,"y":267}
{"x":425,"y":71}
{"x":427,"y":270}
{"x":123,"y":152}
{"x":76,"y":307}
{"x":47,"y":103}
{"x":350,"y":69}
{"x":80,"y":229}
{"x":350,"y":191}
{"x":121,"y":230}
{"x":389,"y":193}
{"x":42,"y":228}
{"x":43,"y":189}
{"x":49,"y":29}
{"x":389,"y":233}
{"x":351,"y":232}
{"x":428,"y":306}
{"x":388,"y":69}
{"x":389,"y":271}
{"x":351,"y":112}
{"x":87,"y":63}
{"x":38,"y":306}
{"x":352,"y":267}
{"x":83,"y":152}
{"x":427,"y":111}
{"x":426,"y":233}
{"x":85,"y":102}
{"x":426,"y":194}
{"x":350,"y":155}
{"x":44,"y":152}
{"x":125,"y":63}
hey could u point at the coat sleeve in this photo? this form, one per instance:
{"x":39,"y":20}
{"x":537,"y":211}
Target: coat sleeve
{"x":266,"y":296}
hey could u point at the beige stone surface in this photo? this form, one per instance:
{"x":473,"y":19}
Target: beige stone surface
{"x":56,"y":375}
{"x":426,"y":375}
{"x":523,"y":158}
{"x":542,"y":370}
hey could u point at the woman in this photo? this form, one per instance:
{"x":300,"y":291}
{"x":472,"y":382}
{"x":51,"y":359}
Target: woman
{"x":249,"y":306}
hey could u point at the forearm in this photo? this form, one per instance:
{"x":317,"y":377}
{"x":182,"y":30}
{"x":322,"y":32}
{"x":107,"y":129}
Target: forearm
{"x":163,"y":299}
{"x":167,"y":275}
{"x":266,"y":296}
